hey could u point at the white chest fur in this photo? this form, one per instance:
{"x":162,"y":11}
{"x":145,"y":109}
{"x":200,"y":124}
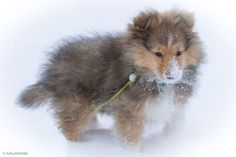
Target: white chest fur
{"x":160,"y":111}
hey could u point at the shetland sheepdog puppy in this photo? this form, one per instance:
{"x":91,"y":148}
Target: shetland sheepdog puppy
{"x":83,"y":72}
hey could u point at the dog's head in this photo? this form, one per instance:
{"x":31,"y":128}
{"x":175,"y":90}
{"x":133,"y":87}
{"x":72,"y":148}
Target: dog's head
{"x":163,"y":45}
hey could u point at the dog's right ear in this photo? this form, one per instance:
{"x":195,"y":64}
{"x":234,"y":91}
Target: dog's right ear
{"x":142,"y":25}
{"x":184,"y":19}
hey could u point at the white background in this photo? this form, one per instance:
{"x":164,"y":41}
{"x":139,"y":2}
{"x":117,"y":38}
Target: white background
{"x":30,"y":28}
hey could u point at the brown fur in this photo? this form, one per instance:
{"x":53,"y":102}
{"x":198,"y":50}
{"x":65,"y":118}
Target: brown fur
{"x":86,"y":71}
{"x":73,"y":120}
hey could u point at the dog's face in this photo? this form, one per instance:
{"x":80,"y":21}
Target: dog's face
{"x":163,"y":45}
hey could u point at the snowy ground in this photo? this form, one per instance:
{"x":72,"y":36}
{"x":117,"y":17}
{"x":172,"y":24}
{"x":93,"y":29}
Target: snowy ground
{"x":29,"y":29}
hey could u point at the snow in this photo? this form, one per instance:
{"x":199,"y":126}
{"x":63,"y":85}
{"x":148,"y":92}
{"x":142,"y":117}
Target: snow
{"x":174,"y":71}
{"x":29,"y":29}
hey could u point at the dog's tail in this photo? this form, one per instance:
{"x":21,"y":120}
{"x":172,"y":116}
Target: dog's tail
{"x":34,"y":96}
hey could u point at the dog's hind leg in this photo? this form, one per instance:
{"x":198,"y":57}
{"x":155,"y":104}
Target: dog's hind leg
{"x":73,"y":115}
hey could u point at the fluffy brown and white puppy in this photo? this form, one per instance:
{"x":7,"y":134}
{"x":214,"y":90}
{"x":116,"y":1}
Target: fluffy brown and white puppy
{"x":161,"y":46}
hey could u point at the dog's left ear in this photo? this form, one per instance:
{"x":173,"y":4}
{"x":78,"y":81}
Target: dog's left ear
{"x":142,"y":25}
{"x":185,"y":19}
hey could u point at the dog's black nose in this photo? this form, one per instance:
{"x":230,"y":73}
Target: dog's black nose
{"x":170,"y":78}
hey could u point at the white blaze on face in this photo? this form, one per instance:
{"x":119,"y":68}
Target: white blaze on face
{"x":170,"y":40}
{"x":173,"y":74}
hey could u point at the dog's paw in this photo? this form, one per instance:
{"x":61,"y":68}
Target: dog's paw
{"x":131,"y":146}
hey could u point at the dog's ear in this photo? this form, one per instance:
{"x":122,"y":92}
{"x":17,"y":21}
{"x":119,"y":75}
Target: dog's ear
{"x":142,"y":25}
{"x":184,"y":19}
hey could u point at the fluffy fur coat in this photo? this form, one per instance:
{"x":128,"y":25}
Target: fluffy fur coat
{"x":83,"y":72}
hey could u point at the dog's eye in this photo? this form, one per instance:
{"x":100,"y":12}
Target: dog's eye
{"x":158,"y":54}
{"x":178,"y":53}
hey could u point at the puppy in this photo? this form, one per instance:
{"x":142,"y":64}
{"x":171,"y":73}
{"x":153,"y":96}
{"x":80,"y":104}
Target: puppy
{"x":161,"y":47}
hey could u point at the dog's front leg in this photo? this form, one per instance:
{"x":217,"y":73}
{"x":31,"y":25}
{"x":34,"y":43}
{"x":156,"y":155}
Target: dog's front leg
{"x":129,"y":125}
